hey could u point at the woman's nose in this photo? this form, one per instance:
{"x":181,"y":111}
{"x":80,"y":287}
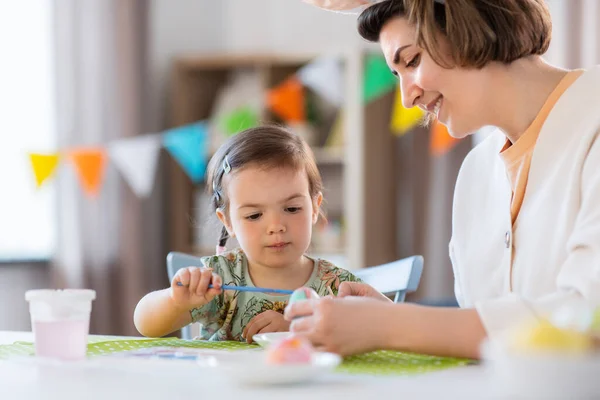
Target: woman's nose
{"x":410,"y":92}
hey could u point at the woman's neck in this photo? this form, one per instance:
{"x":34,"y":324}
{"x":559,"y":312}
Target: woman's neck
{"x":289,"y":277}
{"x":518,"y":93}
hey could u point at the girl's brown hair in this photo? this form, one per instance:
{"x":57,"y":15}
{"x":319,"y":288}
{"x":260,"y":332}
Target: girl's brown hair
{"x":478,"y":31}
{"x":266,"y":147}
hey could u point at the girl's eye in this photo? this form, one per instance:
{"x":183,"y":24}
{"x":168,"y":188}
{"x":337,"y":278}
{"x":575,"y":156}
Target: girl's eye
{"x":414,"y":62}
{"x":293,"y":210}
{"x":253,"y":217}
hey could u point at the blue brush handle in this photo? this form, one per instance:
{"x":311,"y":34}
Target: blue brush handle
{"x":249,"y":289}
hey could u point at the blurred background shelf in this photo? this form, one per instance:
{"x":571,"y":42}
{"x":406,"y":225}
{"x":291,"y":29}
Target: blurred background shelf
{"x":350,"y":169}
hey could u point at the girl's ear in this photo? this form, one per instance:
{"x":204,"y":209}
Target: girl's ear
{"x":317,"y":201}
{"x":225,"y":221}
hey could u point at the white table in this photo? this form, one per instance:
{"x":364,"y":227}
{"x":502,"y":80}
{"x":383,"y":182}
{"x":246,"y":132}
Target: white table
{"x":27,"y":381}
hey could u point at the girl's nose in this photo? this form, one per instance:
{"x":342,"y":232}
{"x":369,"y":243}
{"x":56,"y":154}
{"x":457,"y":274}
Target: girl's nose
{"x":276,"y":226}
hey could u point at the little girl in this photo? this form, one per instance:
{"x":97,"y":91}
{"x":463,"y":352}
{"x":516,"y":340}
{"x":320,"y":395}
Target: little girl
{"x":266,"y":191}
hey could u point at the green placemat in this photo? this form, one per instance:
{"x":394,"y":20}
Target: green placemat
{"x":381,"y":362}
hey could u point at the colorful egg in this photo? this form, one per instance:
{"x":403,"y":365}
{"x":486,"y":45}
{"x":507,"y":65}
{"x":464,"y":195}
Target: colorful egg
{"x":292,"y":350}
{"x":303,"y":293}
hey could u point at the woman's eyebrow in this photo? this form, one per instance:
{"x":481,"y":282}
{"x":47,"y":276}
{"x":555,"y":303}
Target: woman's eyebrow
{"x":396,"y":58}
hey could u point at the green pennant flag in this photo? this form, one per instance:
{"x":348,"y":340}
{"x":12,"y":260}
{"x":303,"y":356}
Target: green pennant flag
{"x":378,"y":78}
{"x":238,"y":120}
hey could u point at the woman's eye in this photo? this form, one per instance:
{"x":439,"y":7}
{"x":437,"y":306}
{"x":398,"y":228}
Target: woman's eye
{"x":293,"y":210}
{"x":253,"y":217}
{"x":414,"y":62}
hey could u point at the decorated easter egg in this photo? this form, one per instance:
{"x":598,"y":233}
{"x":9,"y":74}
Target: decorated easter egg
{"x":544,"y":336}
{"x":303,"y":293}
{"x":291,"y":350}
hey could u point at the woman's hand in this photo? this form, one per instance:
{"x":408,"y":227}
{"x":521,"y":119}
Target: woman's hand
{"x":361,"y":290}
{"x":267,"y":321}
{"x":193,"y":291}
{"x":345,"y":326}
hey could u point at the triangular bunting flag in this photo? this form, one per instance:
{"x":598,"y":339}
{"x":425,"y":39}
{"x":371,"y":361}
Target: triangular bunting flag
{"x":240,"y":119}
{"x":89,"y":164}
{"x":137,"y":160}
{"x":189,"y":146}
{"x":440,"y":140}
{"x":336,"y":134}
{"x":43,"y":166}
{"x":245,"y":91}
{"x":287,"y":100}
{"x":404,"y":119}
{"x":378,"y":79}
{"x":324,"y":76}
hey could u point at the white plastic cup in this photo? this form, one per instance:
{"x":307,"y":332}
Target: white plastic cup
{"x":60,"y":320}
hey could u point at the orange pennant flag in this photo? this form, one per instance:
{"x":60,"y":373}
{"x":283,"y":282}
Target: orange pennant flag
{"x":287,"y":100}
{"x":440,"y":140}
{"x":89,"y":164}
{"x":43,"y":166}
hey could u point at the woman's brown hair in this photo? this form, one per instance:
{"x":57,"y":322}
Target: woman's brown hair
{"x":265,"y":147}
{"x":478,"y":31}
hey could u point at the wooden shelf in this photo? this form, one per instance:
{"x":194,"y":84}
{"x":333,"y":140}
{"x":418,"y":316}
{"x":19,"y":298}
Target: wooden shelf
{"x":328,"y":156}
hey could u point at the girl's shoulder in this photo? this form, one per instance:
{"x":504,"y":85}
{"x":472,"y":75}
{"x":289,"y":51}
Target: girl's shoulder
{"x":230,"y":261}
{"x":326,"y":270}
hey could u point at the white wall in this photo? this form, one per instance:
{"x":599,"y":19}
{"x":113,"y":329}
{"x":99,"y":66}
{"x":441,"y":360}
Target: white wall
{"x":244,"y":26}
{"x":179,"y":27}
{"x":286,"y":25}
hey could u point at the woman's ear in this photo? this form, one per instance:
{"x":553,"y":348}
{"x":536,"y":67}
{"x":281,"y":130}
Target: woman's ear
{"x":317,"y":201}
{"x":225,"y":221}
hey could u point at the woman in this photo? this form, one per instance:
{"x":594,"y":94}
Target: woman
{"x":526,"y":215}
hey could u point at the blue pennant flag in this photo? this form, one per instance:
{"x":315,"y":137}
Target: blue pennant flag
{"x":189,"y":146}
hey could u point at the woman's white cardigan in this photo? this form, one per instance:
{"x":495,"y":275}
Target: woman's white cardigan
{"x":551,"y":256}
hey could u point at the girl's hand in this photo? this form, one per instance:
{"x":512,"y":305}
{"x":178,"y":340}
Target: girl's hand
{"x":344,"y":326}
{"x":194,"y":291}
{"x":361,"y":290}
{"x":267,"y":321}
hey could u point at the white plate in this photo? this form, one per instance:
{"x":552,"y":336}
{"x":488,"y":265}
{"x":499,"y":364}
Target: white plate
{"x":266,"y":339}
{"x":250,"y":368}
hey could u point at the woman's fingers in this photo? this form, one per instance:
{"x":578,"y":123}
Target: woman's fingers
{"x":299,"y":309}
{"x":303,"y":325}
{"x":351,"y":289}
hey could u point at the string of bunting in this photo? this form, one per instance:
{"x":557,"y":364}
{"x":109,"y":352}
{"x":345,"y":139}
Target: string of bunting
{"x":237,"y":107}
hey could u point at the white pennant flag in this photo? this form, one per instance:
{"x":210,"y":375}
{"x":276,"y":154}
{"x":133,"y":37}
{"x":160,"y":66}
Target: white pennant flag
{"x":324,"y":76}
{"x":137,"y":159}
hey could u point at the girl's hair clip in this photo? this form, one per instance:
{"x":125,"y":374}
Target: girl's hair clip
{"x":226,"y":165}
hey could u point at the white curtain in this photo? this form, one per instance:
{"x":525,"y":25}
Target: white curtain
{"x":104,"y":243}
{"x":575,"y":34}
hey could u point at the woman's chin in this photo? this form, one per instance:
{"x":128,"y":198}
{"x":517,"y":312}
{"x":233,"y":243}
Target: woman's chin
{"x":457,"y":131}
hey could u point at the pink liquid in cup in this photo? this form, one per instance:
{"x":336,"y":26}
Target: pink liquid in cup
{"x":60,"y":320}
{"x":66,"y":340}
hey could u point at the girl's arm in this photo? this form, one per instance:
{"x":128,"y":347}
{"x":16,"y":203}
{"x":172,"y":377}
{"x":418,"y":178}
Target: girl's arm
{"x":158,"y":315}
{"x":164,"y":311}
